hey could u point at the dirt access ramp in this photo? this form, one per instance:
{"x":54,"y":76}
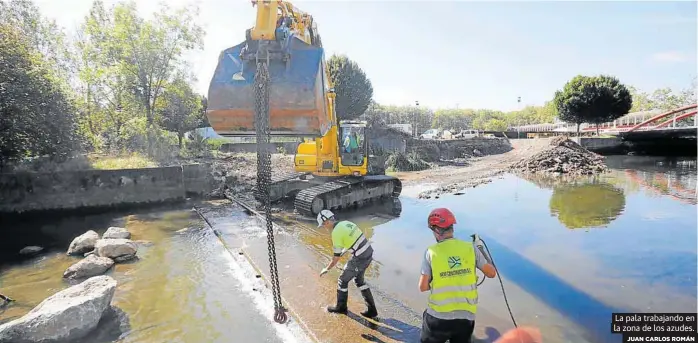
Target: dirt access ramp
{"x":451,"y":179}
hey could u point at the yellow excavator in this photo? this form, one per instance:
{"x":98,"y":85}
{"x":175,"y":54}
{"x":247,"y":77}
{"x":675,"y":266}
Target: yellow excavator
{"x":276,"y":84}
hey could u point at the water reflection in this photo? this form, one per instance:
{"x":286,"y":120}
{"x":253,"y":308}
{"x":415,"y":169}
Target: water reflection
{"x":656,"y":176}
{"x":585,"y":205}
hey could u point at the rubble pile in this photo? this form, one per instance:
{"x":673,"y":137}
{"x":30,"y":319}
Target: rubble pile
{"x":563,"y":157}
{"x":237,"y":172}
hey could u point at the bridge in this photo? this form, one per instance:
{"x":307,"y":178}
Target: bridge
{"x":646,"y":123}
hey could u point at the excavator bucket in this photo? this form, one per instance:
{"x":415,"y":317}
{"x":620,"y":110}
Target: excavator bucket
{"x":297,"y":101}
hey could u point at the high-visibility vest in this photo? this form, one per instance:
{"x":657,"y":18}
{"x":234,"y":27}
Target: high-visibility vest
{"x":454,"y":282}
{"x":348,"y":236}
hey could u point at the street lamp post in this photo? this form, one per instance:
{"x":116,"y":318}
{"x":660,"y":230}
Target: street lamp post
{"x":416,"y":113}
{"x":518,"y":120}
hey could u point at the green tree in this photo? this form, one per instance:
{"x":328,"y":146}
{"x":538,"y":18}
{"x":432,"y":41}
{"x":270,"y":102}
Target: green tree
{"x":36,"y":115}
{"x":495,"y":125}
{"x":592,"y":99}
{"x":641,"y":100}
{"x":203,"y":101}
{"x":453,"y":119}
{"x":586,"y":205}
{"x":180,"y":111}
{"x":108,"y":100}
{"x":352,"y":86}
{"x":40,"y":34}
{"x":151,"y":51}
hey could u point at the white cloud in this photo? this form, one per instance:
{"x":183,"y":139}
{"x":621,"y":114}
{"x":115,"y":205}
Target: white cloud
{"x":670,"y":56}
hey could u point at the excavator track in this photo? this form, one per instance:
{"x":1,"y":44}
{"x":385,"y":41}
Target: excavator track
{"x":278,"y":178}
{"x":346,"y":192}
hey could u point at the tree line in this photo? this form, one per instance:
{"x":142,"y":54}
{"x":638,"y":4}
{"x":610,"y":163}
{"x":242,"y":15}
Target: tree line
{"x":121,"y":82}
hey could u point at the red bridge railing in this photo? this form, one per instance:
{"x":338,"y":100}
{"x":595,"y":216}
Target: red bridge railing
{"x":664,"y":115}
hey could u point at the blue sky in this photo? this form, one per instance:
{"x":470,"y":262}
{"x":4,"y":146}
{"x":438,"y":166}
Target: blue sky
{"x":471,"y":54}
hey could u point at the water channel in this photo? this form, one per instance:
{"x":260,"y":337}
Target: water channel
{"x":570,"y":252}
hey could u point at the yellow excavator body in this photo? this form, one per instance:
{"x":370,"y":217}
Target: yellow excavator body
{"x":332,"y":165}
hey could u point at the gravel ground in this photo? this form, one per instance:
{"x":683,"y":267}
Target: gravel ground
{"x":452,"y":179}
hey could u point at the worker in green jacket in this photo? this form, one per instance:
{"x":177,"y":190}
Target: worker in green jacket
{"x":448,"y":272}
{"x":347,"y":237}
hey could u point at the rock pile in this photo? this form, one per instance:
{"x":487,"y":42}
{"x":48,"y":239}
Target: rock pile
{"x":101,"y":254}
{"x":563,"y":157}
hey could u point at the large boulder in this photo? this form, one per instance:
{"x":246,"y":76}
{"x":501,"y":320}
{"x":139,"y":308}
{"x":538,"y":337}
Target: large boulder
{"x":91,"y":266}
{"x":116,"y":248}
{"x":83,"y":243}
{"x":116,"y":232}
{"x":65,"y":316}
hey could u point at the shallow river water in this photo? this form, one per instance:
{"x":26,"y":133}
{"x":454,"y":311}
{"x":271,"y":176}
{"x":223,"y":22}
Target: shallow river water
{"x":569,"y":252}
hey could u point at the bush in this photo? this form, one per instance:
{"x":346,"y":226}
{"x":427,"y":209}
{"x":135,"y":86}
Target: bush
{"x":135,"y":140}
{"x":215,"y":143}
{"x":406,"y":162}
{"x":199,"y":146}
{"x":131,"y":161}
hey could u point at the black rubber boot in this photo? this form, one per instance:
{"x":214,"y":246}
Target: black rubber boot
{"x":341,"y":306}
{"x":371,"y":311}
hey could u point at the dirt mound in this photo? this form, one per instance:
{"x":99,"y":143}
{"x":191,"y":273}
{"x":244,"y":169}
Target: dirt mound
{"x":563,"y":156}
{"x":238,"y":171}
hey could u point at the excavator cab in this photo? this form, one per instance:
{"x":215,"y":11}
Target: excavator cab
{"x":353,"y":145}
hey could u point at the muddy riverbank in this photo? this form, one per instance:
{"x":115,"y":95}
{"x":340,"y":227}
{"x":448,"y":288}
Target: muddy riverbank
{"x":453,"y":167}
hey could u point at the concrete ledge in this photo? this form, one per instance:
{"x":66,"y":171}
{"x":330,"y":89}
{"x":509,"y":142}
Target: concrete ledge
{"x":72,"y":190}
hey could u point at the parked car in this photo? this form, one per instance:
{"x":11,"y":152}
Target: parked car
{"x":430,"y":134}
{"x":465,"y":134}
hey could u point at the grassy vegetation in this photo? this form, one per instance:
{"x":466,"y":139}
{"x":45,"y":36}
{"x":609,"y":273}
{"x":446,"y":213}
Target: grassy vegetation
{"x":130,"y":161}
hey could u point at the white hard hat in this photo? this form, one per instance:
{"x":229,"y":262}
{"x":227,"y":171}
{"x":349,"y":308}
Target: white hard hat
{"x":323,"y":216}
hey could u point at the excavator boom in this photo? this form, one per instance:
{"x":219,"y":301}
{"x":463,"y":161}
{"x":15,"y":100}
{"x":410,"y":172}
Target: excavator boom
{"x":277,"y":81}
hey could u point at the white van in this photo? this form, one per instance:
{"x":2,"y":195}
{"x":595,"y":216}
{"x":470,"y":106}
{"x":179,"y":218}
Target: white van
{"x":430,"y":134}
{"x":465,"y":134}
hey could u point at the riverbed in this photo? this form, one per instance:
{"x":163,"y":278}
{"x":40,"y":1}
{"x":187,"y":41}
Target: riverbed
{"x":184,"y":288}
{"x":569,"y":252}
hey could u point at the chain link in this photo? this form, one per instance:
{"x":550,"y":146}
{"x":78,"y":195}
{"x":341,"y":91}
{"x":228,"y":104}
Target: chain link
{"x":261,"y":94}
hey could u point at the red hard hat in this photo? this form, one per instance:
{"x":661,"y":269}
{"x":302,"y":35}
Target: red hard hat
{"x":441,"y":217}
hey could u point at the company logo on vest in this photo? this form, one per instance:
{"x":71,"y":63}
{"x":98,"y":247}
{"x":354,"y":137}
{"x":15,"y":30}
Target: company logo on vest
{"x":453,"y":262}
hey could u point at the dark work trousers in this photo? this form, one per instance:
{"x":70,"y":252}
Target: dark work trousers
{"x":435,"y":330}
{"x":355,"y":269}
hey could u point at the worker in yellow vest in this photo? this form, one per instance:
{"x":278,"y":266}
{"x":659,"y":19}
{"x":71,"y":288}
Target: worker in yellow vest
{"x":347,"y":237}
{"x":448,"y":271}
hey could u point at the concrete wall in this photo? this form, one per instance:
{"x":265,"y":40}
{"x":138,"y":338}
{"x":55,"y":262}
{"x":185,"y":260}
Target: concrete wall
{"x":70,"y":190}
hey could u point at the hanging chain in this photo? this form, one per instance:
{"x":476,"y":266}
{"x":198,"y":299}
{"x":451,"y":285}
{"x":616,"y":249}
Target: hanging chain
{"x":261,"y":94}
